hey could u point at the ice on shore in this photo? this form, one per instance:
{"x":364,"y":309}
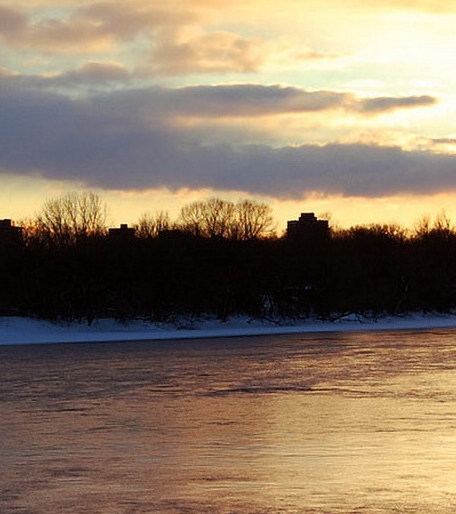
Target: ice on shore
{"x":18,"y":330}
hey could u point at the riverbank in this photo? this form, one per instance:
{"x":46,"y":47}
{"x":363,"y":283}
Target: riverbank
{"x":17,"y":330}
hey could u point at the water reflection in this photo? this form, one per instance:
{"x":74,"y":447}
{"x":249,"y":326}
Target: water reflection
{"x":361,"y":423}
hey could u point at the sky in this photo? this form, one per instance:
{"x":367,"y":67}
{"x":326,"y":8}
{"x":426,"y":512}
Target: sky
{"x":346,"y":108}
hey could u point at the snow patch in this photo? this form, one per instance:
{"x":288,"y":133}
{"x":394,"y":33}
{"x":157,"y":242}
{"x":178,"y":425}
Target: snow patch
{"x":21,"y":331}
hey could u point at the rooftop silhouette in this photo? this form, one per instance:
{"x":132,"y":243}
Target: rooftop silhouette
{"x":122,"y":233}
{"x":9,"y":233}
{"x":307,"y":226}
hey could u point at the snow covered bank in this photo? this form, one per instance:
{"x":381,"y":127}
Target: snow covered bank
{"x":17,"y":331}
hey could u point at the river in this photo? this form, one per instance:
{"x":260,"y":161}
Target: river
{"x":357,"y":423}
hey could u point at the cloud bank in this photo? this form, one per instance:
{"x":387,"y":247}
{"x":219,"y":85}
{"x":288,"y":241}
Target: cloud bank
{"x":126,"y":140}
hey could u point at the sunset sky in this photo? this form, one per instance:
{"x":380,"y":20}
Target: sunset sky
{"x":345,"y":107}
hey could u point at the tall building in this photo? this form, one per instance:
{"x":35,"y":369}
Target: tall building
{"x":123,"y":233}
{"x":9,"y":233}
{"x":307,"y":226}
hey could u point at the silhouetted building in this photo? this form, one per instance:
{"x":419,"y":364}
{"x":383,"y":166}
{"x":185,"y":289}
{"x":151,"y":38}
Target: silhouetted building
{"x":123,"y":233}
{"x":307,"y":226}
{"x":9,"y":233}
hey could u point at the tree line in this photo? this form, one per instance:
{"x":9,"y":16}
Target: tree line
{"x":220,"y":258}
{"x":75,"y":217}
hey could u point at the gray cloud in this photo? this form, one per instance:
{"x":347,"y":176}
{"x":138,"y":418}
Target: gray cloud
{"x":88,"y":76}
{"x":384,"y":104}
{"x":92,"y":73}
{"x":250,"y":100}
{"x":113,"y":141}
{"x":236,"y":100}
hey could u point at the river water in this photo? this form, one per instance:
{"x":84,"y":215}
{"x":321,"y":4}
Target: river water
{"x":357,"y":423}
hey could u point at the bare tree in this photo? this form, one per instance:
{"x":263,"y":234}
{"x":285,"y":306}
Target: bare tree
{"x":191,"y":218}
{"x":150,"y":225}
{"x":443,"y":223}
{"x":72,"y":216}
{"x":211,"y":218}
{"x":220,"y":216}
{"x":253,"y":220}
{"x":244,"y":220}
{"x":441,"y":226}
{"x":422,"y":226}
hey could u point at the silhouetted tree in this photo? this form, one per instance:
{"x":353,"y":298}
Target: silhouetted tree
{"x":210,"y":218}
{"x":245,"y":220}
{"x":71,"y":217}
{"x":151,"y":225}
{"x":432,"y":265}
{"x":253,"y":220}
